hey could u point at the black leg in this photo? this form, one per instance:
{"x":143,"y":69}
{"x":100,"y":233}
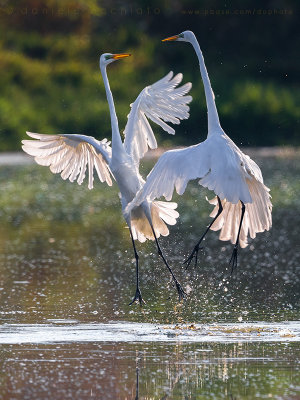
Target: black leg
{"x":194,"y":253}
{"x":181,"y":292}
{"x":138,"y":295}
{"x":234,"y":257}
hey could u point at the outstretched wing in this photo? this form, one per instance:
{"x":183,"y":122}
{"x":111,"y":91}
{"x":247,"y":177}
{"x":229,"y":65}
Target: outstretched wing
{"x":69,"y":155}
{"x":217,"y":163}
{"x":173,"y":170}
{"x":161,"y":102}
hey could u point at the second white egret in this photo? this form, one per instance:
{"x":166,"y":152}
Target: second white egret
{"x":242,"y":202}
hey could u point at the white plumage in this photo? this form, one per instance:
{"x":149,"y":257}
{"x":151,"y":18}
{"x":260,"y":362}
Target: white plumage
{"x":161,"y":102}
{"x":73,"y":155}
{"x":70,"y":155}
{"x":221,"y":167}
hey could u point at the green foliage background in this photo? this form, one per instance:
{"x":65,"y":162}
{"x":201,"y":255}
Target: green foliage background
{"x":50,"y":80}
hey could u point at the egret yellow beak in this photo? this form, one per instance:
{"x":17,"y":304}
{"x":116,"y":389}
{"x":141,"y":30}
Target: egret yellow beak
{"x":122,"y":55}
{"x":171,"y":38}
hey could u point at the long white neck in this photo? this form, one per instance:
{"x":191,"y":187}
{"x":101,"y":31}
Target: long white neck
{"x":212,"y":113}
{"x":116,"y":138}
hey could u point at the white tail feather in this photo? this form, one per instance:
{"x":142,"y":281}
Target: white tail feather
{"x":257,"y":218}
{"x":162,"y":213}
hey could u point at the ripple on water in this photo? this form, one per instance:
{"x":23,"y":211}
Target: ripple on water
{"x":65,"y":331}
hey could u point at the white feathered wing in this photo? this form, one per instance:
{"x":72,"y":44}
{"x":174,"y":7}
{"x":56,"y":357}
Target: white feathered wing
{"x":161,"y":102}
{"x":226,"y":170}
{"x":70,"y":155}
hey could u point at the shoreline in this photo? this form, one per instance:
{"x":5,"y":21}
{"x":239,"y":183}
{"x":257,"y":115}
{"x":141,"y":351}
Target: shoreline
{"x":20,"y":158}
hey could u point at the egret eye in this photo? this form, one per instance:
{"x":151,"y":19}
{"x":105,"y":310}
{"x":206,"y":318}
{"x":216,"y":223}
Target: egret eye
{"x":181,"y":35}
{"x":108,"y":57}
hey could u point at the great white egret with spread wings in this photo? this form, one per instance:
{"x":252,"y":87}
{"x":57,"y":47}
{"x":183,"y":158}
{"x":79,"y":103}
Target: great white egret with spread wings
{"x":242,"y":202}
{"x":70,"y":154}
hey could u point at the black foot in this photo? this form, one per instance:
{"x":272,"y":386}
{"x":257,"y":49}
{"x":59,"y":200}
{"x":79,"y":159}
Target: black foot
{"x":193,"y":255}
{"x":138,"y":298}
{"x":233,"y":260}
{"x":181,"y":293}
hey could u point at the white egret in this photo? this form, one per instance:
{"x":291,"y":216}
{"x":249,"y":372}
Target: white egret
{"x":69,"y":154}
{"x":242,"y":204}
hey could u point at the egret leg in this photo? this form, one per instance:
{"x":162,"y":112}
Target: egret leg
{"x":234,"y":257}
{"x":194,"y":253}
{"x":138,"y":295}
{"x":181,"y":292}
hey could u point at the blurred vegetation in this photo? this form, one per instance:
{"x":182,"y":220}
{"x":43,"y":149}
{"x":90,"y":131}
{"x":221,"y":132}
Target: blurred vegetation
{"x":50,"y":80}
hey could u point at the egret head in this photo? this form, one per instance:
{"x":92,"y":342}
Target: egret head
{"x":186,"y":36}
{"x":108,"y":58}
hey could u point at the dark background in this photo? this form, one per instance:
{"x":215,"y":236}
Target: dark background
{"x":49,"y":66}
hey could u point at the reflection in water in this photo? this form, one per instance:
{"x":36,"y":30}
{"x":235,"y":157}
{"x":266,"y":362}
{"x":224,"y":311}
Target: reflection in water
{"x":150,"y":371}
{"x":137,"y":376}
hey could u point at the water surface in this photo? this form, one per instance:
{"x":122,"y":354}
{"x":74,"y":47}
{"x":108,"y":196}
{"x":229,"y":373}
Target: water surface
{"x":131,"y":332}
{"x":67,"y":276}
